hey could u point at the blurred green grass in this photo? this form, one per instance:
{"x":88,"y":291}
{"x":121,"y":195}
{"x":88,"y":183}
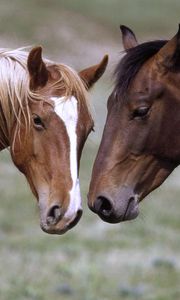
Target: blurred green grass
{"x":146,"y":16}
{"x":95,"y":260}
{"x":135,"y":260}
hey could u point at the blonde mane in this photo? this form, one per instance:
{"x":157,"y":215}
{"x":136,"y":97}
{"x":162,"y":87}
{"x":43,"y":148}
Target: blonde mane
{"x":15,"y":93}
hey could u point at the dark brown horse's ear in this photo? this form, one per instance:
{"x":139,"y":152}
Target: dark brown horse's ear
{"x":169,"y":55}
{"x":92,"y":74}
{"x":37,"y":68}
{"x":128,"y":38}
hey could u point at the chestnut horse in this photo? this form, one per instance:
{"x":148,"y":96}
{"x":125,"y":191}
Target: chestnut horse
{"x":140,"y":146}
{"x":45,"y":120}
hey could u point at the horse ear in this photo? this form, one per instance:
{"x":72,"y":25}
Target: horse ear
{"x":169,"y":55}
{"x":37,"y":68}
{"x":93,"y":73}
{"x":128,"y":38}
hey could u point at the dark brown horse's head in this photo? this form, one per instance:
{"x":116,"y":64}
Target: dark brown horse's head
{"x":140,"y":146}
{"x":47,"y":134}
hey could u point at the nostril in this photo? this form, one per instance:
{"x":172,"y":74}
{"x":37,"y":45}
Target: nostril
{"x":54,"y":215}
{"x":103,"y":206}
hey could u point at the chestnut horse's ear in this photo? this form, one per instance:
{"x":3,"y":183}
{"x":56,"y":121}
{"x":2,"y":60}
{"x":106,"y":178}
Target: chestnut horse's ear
{"x":128,"y":38}
{"x":37,"y":69}
{"x":169,"y":55}
{"x":92,"y":74}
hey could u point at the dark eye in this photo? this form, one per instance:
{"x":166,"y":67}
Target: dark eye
{"x":38,"y":124}
{"x":140,"y":112}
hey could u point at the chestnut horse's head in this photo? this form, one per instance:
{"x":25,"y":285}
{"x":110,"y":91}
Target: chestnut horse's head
{"x":140,"y":146}
{"x":49,"y":124}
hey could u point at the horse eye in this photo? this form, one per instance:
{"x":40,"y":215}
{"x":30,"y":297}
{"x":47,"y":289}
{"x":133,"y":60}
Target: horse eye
{"x":140,"y":112}
{"x":38,"y":122}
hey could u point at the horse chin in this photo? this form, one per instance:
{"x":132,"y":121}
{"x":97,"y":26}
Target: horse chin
{"x":62,"y":226}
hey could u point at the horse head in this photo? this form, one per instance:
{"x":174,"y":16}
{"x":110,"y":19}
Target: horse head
{"x":50,"y":124}
{"x":140,"y":146}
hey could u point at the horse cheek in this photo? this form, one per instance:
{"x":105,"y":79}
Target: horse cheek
{"x":21,"y":149}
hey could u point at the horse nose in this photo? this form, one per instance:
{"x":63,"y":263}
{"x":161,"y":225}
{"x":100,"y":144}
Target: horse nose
{"x":103,"y":207}
{"x":54,"y":215}
{"x":115,"y":210}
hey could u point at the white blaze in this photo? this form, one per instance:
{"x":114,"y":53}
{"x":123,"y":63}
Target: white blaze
{"x":67,"y":110}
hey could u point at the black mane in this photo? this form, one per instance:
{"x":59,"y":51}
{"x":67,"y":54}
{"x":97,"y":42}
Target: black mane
{"x":131,"y":63}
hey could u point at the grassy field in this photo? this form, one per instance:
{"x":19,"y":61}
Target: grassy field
{"x":95,"y":260}
{"x":136,"y":260}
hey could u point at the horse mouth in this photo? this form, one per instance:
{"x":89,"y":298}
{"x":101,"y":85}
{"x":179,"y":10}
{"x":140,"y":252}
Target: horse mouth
{"x":132,"y":211}
{"x":63,"y":226}
{"x":76,"y":220}
{"x":117,"y":209}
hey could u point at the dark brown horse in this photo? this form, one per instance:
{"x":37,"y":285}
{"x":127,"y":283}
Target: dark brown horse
{"x":140,"y":146}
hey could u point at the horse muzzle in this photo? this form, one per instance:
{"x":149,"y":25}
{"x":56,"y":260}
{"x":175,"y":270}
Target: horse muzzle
{"x":119,"y":207}
{"x":55,"y":222}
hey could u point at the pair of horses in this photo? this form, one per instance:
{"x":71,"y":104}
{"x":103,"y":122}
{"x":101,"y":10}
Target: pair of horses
{"x":45,"y":120}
